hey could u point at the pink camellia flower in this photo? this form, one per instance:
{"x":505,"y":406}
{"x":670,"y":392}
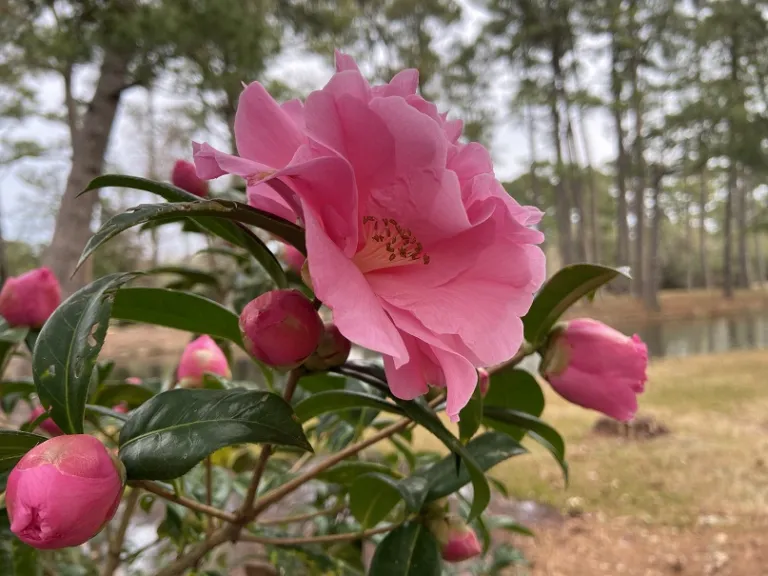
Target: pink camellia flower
{"x":184,"y":176}
{"x":281,"y":328}
{"x":332,"y":351}
{"x":483,"y":380}
{"x":63,"y":491}
{"x":200,"y":356}
{"x":121,"y":408}
{"x":597,"y":367}
{"x":412,"y":242}
{"x":29,"y":299}
{"x":48,"y":425}
{"x":293,"y":258}
{"x":133,"y":380}
{"x":458,"y":541}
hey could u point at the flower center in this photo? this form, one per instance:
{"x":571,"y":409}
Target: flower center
{"x":387,"y":245}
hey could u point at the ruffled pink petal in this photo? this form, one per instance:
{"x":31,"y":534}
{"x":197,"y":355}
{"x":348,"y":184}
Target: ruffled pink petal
{"x":264,"y":197}
{"x":295,"y":110}
{"x":404,"y":83}
{"x":211,"y":163}
{"x":341,"y":286}
{"x":344,"y":62}
{"x":264,"y":131}
{"x":614,"y":397}
{"x":409,"y":381}
{"x":460,"y":381}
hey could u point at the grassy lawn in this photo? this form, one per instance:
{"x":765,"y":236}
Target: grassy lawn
{"x":714,"y":462}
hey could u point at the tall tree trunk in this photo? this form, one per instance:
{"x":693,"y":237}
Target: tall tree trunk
{"x":73,"y":221}
{"x":577,"y":187}
{"x":741,"y":231}
{"x":638,"y":274}
{"x":688,"y":232}
{"x":594,"y":224}
{"x":651,"y":286}
{"x":703,"y":197}
{"x":728,"y":232}
{"x":530,"y":123}
{"x":562,"y":195}
{"x":152,"y":168}
{"x":756,"y":239}
{"x":622,"y":226}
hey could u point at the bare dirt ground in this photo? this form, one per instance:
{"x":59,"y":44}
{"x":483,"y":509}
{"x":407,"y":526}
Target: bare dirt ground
{"x":594,"y":546}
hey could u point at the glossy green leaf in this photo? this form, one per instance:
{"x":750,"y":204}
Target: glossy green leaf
{"x":426,"y":418}
{"x":560,"y":292}
{"x":180,"y":310}
{"x":93,"y":410}
{"x":14,"y":444}
{"x":16,"y":558}
{"x":322,"y":382}
{"x":9,"y":338}
{"x":192,"y":276}
{"x":538,"y":430}
{"x":133,"y":394}
{"x":348,"y":471}
{"x":486,"y":451}
{"x":471,"y":416}
{"x":514,"y":389}
{"x":266,"y":221}
{"x":336,"y":400}
{"x":67,"y":348}
{"x":209,"y":208}
{"x":175,"y":430}
{"x":23,"y":387}
{"x":371,"y":498}
{"x":409,"y":550}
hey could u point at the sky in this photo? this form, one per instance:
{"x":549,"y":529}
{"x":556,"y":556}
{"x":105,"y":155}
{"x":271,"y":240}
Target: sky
{"x":128,"y":149}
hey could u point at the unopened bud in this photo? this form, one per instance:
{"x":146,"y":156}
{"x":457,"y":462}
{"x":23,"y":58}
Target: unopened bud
{"x":332,"y":351}
{"x":185,"y":176}
{"x":281,"y":328}
{"x":200,"y":356}
{"x":29,"y":299}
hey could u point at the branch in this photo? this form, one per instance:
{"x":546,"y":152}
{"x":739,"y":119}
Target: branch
{"x":116,"y":543}
{"x":72,"y":117}
{"x":191,"y":559}
{"x":266,"y":451}
{"x":302,"y":517}
{"x":186,"y":502}
{"x":209,"y":492}
{"x":281,"y":491}
{"x":324,"y":539}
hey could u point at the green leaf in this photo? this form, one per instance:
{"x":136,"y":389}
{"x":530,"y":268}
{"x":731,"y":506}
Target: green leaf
{"x":409,"y":550}
{"x":426,"y":418}
{"x":191,"y":275}
{"x":175,"y":430}
{"x":471,"y":416}
{"x":510,"y":525}
{"x":23,"y":387}
{"x":486,"y":450}
{"x":322,"y":382}
{"x":335,"y":400}
{"x":559,"y":293}
{"x":173,"y":309}
{"x":9,"y":339}
{"x":346,"y":472}
{"x":538,"y":430}
{"x":133,"y":394}
{"x":372,"y":497}
{"x":67,"y":348}
{"x":16,"y":558}
{"x":515,"y":389}
{"x":13,"y":446}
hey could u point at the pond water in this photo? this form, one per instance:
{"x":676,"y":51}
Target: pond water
{"x":667,"y":338}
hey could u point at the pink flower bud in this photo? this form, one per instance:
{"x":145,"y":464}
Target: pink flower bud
{"x":121,"y":408}
{"x":133,"y":380}
{"x":458,"y":541}
{"x":29,"y":299}
{"x":185,"y":176}
{"x":332,"y":351}
{"x":483,"y":381}
{"x":200,"y":356}
{"x":48,"y":425}
{"x":293,"y":258}
{"x":281,"y":328}
{"x":63,"y":491}
{"x":597,"y":367}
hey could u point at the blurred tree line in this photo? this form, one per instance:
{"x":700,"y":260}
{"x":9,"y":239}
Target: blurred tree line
{"x":681,"y":84}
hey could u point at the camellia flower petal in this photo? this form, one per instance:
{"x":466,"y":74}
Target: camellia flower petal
{"x":597,"y":367}
{"x":63,"y":492}
{"x":412,"y":242}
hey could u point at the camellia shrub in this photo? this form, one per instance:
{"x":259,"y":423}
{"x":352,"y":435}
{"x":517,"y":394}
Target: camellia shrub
{"x":399,"y":247}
